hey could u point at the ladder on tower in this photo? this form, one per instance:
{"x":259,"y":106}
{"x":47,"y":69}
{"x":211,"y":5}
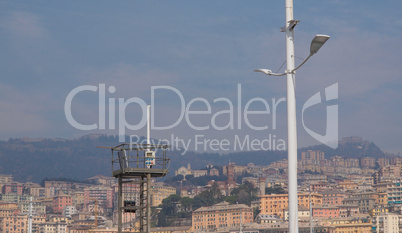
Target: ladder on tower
{"x":145,"y":199}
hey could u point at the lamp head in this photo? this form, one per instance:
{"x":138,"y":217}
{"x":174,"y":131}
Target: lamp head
{"x":265,"y":71}
{"x":317,"y":43}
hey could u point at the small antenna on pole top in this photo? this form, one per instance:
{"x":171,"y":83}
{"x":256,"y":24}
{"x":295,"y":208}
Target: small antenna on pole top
{"x":149,"y":155}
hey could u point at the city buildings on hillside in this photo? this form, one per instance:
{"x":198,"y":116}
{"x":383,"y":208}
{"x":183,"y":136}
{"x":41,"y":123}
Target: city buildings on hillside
{"x":345,"y":193}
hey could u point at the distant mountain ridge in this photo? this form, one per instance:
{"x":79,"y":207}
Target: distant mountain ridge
{"x":350,"y":147}
{"x":32,"y":159}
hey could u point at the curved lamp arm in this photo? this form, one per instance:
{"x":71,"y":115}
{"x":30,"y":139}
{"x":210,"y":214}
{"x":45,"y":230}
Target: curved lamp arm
{"x":269,"y":72}
{"x":305,"y":60}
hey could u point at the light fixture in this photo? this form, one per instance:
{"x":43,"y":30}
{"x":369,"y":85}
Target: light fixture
{"x":316,"y":44}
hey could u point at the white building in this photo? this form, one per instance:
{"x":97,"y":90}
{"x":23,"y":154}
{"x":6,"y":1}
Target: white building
{"x":303,"y":213}
{"x":69,"y":210}
{"x":387,"y":223}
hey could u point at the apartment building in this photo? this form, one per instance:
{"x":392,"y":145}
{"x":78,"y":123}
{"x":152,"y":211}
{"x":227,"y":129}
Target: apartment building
{"x":326,"y":211}
{"x":387,"y":223}
{"x":394,"y":192}
{"x":312,"y":157}
{"x":61,"y":201}
{"x":37,"y":207}
{"x":58,"y":184}
{"x":5,"y":178}
{"x":14,"y":223}
{"x":378,"y":210}
{"x":274,"y":204}
{"x":355,"y":225}
{"x":332,"y":197}
{"x":221,"y":215}
{"x":348,"y":210}
{"x":104,"y":196}
{"x":69,"y":210}
{"x":78,"y":198}
{"x":367,"y":162}
{"x":40,"y":192}
{"x":53,"y":227}
{"x":383,"y":162}
{"x":13,"y":187}
{"x":303,"y":213}
{"x":15,"y":198}
{"x":365,"y":203}
{"x":160,"y":192}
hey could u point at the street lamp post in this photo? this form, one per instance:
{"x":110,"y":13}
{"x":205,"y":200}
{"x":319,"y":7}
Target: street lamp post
{"x":316,"y":44}
{"x":291,"y":111}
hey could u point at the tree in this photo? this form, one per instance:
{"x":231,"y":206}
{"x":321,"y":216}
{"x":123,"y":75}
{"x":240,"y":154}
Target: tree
{"x":244,"y":194}
{"x":186,"y":203}
{"x":231,"y":199}
{"x":243,"y":197}
{"x":277,"y":189}
{"x":177,"y":178}
{"x":216,"y":193}
{"x":169,"y":204}
{"x":162,"y":220}
{"x":198,"y":202}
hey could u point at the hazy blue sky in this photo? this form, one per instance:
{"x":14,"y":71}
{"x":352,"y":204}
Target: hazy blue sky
{"x":204,"y":49}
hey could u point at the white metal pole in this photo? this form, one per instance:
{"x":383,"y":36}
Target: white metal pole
{"x":311,"y":213}
{"x":148,"y":127}
{"x":291,"y":112}
{"x":30,"y":216}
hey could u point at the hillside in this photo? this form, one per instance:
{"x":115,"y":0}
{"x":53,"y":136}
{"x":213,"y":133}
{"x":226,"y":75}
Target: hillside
{"x":348,"y":149}
{"x":33,"y":159}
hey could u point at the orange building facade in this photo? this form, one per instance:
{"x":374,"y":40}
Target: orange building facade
{"x":326,"y":211}
{"x":222,"y":215}
{"x":61,"y":201}
{"x":274,"y":204}
{"x":14,"y":223}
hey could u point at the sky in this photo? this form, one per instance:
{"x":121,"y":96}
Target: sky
{"x":66,"y":65}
